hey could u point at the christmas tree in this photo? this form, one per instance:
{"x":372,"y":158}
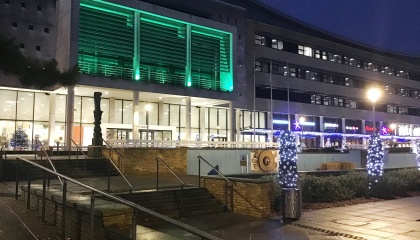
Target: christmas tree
{"x":19,"y":139}
{"x":375,"y":162}
{"x":288,"y":175}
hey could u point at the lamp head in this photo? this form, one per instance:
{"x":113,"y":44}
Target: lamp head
{"x":374,"y":94}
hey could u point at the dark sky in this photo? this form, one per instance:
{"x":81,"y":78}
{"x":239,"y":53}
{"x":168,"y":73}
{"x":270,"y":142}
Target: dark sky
{"x":392,"y":25}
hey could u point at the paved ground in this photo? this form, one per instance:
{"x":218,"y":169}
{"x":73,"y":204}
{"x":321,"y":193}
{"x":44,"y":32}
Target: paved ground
{"x":394,"y":219}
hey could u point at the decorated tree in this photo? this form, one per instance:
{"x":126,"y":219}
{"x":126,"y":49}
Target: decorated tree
{"x":417,"y":150}
{"x":288,"y":176}
{"x":375,"y":163}
{"x":19,"y":139}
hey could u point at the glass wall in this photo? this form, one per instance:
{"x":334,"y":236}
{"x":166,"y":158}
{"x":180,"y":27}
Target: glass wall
{"x":24,"y":123}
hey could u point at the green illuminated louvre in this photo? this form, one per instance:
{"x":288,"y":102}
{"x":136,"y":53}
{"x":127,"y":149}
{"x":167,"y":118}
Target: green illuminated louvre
{"x":117,"y":41}
{"x":106,"y":42}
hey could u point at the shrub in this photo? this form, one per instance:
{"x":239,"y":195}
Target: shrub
{"x":358,"y":182}
{"x":325,"y":189}
{"x":390,"y":186}
{"x":410,"y":176}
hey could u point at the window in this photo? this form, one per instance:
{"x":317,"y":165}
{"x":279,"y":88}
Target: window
{"x":277,"y":44}
{"x":265,"y":67}
{"x":39,"y":8}
{"x":23,"y":4}
{"x":300,"y":49}
{"x":258,"y":66}
{"x":292,"y":72}
{"x":345,"y":60}
{"x":317,"y":53}
{"x":326,"y":101}
{"x":326,"y":78}
{"x":46,"y":30}
{"x":260,"y":40}
{"x":316,"y":99}
{"x":348,"y":82}
{"x":38,"y":48}
{"x":31,"y":27}
{"x":352,"y":62}
{"x":324,"y":55}
{"x":21,"y":45}
{"x":338,"y":102}
{"x":350,"y":103}
{"x":14,"y":24}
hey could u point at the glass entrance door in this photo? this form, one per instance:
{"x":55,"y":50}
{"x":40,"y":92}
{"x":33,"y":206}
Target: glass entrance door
{"x":155,"y":134}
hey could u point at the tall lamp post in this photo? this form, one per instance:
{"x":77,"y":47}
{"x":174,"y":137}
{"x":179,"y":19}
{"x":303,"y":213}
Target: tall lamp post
{"x":148,"y":108}
{"x":373,"y":95}
{"x":301,"y":121}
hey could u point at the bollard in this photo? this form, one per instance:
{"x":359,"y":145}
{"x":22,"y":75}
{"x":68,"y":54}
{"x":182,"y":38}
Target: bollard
{"x":292,"y":203}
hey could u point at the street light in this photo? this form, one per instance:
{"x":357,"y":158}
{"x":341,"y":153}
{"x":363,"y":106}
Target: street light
{"x":373,"y":95}
{"x":148,"y":108}
{"x":301,"y":121}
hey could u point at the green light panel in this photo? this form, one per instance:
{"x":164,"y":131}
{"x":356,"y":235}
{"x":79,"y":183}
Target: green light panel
{"x":166,"y":51}
{"x":162,"y":52}
{"x":106,"y":42}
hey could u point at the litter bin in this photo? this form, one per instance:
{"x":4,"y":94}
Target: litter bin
{"x":292,"y":203}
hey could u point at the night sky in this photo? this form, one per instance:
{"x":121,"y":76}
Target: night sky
{"x":391,"y":25}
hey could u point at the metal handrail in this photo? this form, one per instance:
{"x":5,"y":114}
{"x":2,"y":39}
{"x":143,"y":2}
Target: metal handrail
{"x":170,"y":170}
{"x":50,"y":161}
{"x":221,"y":174}
{"x":188,"y":228}
{"x":122,"y":174}
{"x":112,"y":149}
{"x":77,"y":155}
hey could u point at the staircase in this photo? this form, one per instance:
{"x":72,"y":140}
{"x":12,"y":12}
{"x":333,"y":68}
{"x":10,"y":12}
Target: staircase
{"x":193,"y":202}
{"x":95,"y":167}
{"x":176,"y":203}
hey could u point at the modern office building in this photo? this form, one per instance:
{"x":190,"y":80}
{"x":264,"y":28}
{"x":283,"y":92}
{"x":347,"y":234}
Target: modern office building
{"x":225,"y":70}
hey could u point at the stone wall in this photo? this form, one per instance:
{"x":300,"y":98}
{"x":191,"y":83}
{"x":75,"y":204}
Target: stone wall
{"x":244,"y":196}
{"x":143,"y":160}
{"x":77,"y":223}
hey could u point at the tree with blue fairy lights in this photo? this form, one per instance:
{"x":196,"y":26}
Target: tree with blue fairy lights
{"x":417,"y":146}
{"x":19,"y":139}
{"x":288,"y":176}
{"x":375,"y":163}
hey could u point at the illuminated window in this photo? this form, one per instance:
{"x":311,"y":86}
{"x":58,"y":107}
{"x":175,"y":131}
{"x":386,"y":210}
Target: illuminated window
{"x":260,"y":40}
{"x":277,"y":44}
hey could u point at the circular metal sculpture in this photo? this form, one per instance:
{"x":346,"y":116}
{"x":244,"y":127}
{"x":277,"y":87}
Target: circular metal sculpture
{"x":266,"y":161}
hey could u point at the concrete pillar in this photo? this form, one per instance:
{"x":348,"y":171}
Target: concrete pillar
{"x":188,"y":118}
{"x":232,"y":123}
{"x":51,"y":120}
{"x":69,"y":115}
{"x":136,"y":115}
{"x":321,"y":129}
{"x":364,"y":131}
{"x":410,"y":130}
{"x":111,"y":117}
{"x":297,"y":116}
{"x":161,"y":113}
{"x":238,"y":124}
{"x":343,"y":125}
{"x":203,"y":123}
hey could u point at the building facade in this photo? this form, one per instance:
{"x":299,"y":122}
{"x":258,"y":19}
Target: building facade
{"x":225,"y":70}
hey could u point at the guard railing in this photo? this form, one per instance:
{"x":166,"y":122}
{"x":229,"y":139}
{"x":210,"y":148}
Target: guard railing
{"x":227,"y":181}
{"x":135,"y":207}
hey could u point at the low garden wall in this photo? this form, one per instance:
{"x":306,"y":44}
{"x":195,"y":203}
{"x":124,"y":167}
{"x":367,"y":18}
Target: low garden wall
{"x":245,"y":196}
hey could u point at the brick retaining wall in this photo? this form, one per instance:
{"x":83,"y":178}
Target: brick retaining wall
{"x":245,"y":196}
